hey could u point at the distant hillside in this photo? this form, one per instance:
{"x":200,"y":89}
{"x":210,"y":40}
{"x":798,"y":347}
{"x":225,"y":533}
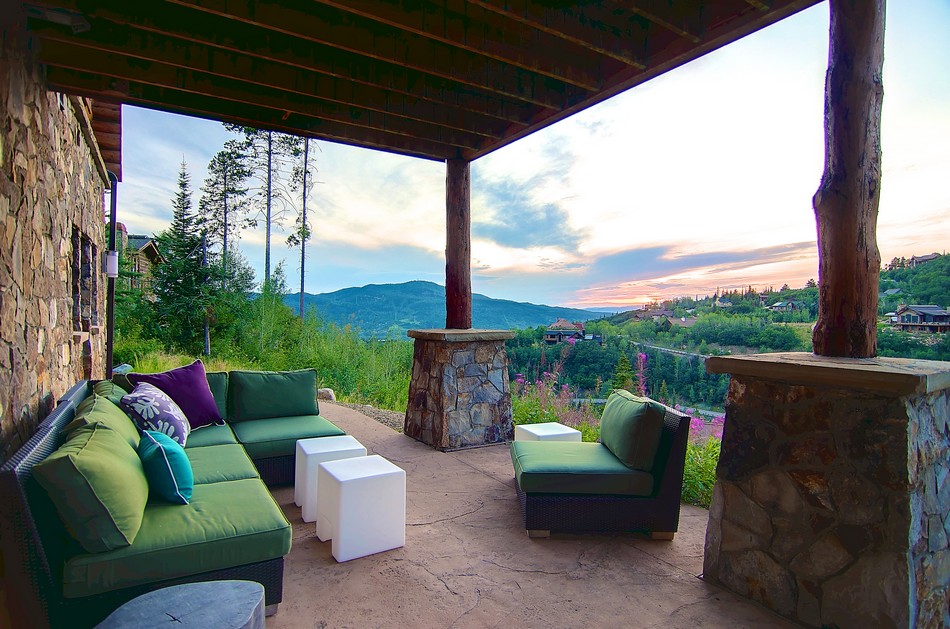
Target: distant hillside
{"x":381,"y":310}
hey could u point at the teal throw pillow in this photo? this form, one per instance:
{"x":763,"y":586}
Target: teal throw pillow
{"x":263,"y":394}
{"x":631,"y":427}
{"x":167,"y":467}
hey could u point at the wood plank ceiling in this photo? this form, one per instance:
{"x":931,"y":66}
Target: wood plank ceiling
{"x":437,"y":79}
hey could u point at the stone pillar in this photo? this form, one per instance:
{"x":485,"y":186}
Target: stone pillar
{"x":832,"y":499}
{"x":459,"y":395}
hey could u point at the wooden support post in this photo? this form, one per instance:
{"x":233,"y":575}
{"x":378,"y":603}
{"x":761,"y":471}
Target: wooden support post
{"x":458,"y":245}
{"x":846,"y":203}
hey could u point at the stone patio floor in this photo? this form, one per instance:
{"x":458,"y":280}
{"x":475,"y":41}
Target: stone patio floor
{"x":469,"y":563}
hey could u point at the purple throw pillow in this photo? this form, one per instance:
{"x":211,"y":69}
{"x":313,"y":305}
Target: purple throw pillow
{"x":188,"y":387}
{"x":151,"y":409}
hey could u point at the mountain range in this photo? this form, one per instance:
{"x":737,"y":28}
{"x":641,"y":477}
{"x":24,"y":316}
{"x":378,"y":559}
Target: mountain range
{"x":388,"y":310}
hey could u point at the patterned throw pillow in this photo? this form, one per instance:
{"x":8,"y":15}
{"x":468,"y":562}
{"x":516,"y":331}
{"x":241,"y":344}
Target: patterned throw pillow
{"x":151,"y":409}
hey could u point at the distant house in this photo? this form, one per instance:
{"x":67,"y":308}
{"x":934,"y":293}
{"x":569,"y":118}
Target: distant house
{"x":143,"y":256}
{"x":923,"y":318}
{"x":890,"y":292}
{"x":916,"y":261}
{"x":722,"y":303}
{"x":684,"y":322}
{"x":562,"y":330}
{"x":787,"y":306}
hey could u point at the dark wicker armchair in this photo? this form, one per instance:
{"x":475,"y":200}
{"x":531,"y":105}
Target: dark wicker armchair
{"x":657,"y":514}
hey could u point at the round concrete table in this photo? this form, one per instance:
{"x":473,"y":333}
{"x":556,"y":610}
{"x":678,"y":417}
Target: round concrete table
{"x":212,"y":604}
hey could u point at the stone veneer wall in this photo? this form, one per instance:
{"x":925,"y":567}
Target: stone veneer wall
{"x":459,"y":392}
{"x":51,"y":196}
{"x":832,"y":505}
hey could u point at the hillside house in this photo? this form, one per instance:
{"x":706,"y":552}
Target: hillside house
{"x":562,"y":330}
{"x":143,"y":256}
{"x":787,"y":306}
{"x":916,"y":261}
{"x":923,"y":318}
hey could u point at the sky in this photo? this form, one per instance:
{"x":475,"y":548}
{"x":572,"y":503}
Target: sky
{"x":699,"y":180}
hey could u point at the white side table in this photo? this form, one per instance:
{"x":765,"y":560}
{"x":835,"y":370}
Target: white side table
{"x":361,"y":505}
{"x":550,"y":431}
{"x":312,"y":452}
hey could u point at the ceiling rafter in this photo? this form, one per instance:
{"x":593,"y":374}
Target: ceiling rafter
{"x":265,"y":74}
{"x":322,"y":24}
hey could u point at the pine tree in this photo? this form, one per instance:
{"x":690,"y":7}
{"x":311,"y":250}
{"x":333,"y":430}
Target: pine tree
{"x":623,"y":374}
{"x":224,"y":203}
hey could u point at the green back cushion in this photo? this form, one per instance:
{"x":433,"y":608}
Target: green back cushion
{"x":109,"y":389}
{"x":167,"y":467}
{"x":97,"y":408}
{"x":97,"y":484}
{"x":122,"y":381}
{"x":218,"y":383}
{"x":631,"y":427}
{"x":263,"y":394}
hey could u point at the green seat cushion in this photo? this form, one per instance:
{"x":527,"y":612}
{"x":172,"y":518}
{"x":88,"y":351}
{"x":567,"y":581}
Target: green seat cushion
{"x":215,"y":464}
{"x":109,"y":389}
{"x":96,"y":481}
{"x":278,"y":436}
{"x":225,"y":524}
{"x":263,"y":394}
{"x":560,"y":467}
{"x":167,"y":467}
{"x":631,"y":427}
{"x":210,"y":436}
{"x":218,"y":383}
{"x":98,"y":408}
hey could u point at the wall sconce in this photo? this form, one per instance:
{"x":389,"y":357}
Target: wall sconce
{"x":110,"y":263}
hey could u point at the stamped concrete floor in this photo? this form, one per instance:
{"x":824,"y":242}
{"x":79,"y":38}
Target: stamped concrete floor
{"x":468,"y":562}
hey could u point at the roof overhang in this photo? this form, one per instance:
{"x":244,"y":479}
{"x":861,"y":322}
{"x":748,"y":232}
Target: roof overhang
{"x":437,"y":79}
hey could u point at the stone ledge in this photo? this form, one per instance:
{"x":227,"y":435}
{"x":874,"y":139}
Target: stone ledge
{"x":460,"y":336}
{"x":901,"y":376}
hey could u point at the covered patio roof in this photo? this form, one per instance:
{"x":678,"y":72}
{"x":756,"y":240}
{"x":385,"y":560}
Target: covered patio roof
{"x":436,"y":79}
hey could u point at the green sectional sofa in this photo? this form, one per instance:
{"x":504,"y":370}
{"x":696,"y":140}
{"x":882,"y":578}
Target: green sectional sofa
{"x":86,"y":543}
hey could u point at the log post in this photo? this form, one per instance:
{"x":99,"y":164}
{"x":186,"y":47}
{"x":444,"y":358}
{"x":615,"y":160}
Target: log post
{"x":846,"y":203}
{"x":458,"y":245}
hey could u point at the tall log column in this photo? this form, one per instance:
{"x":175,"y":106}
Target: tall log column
{"x":458,"y":245}
{"x":846,"y":203}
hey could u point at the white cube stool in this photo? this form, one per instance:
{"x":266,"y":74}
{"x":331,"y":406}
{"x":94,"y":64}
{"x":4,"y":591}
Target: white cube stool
{"x":310,"y":453}
{"x":550,"y":431}
{"x":361,"y":505}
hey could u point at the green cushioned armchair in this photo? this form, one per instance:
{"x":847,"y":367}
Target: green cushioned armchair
{"x":632,"y":481}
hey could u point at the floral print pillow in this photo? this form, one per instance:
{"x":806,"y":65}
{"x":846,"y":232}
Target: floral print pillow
{"x":151,"y":409}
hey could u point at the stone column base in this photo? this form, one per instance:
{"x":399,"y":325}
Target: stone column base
{"x":459,"y":395}
{"x":833,"y":489}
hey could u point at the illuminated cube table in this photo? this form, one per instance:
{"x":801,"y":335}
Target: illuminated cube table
{"x":310,"y":453}
{"x":549,"y":431}
{"x":361,"y":506}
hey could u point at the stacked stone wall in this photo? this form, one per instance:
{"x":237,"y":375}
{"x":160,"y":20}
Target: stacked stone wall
{"x":50,"y":191}
{"x":832,"y":506}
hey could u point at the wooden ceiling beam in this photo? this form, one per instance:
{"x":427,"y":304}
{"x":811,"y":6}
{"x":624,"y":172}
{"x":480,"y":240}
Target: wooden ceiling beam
{"x":190,"y":29}
{"x":324,"y":25}
{"x":87,"y":60}
{"x":463,"y":25}
{"x":687,"y":25}
{"x":758,"y":4}
{"x":616,"y":42}
{"x":212,"y":108}
{"x":267,"y":74}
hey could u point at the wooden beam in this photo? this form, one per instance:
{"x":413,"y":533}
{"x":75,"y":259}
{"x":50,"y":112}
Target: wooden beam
{"x":190,"y":31}
{"x":356,"y":35}
{"x":464,"y":25}
{"x":58,"y":54}
{"x":203,"y":106}
{"x":458,"y":244}
{"x":261,"y":72}
{"x":846,"y":203}
{"x":563,"y":21}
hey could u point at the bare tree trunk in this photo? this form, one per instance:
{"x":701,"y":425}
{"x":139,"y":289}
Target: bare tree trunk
{"x":303,"y":219}
{"x":270,"y":153}
{"x":846,"y":203}
{"x":458,"y":245}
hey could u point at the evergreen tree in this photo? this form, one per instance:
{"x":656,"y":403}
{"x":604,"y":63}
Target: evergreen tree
{"x":623,"y":374}
{"x":224,"y":203}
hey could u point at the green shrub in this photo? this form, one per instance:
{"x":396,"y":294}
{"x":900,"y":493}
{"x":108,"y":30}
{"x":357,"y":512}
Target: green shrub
{"x":699,"y":476}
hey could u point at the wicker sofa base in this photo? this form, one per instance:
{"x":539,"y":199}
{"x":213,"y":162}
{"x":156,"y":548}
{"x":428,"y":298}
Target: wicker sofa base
{"x":276,"y":470}
{"x":584,"y":513}
{"x":91,"y":610}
